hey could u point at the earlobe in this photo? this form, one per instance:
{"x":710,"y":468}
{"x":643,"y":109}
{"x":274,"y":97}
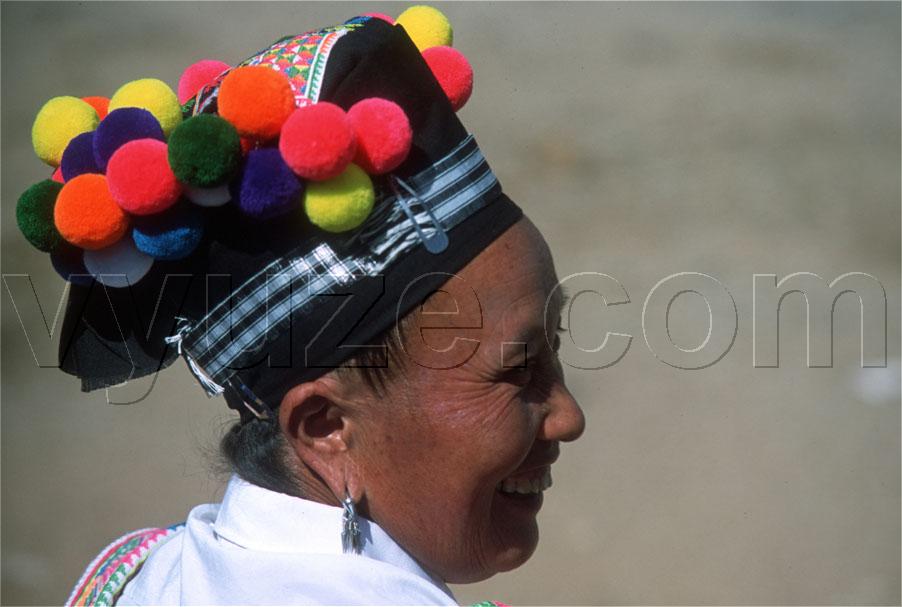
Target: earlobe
{"x":316,"y":421}
{"x":315,"y":424}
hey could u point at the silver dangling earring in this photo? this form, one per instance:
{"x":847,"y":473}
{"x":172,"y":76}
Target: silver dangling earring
{"x":350,"y":529}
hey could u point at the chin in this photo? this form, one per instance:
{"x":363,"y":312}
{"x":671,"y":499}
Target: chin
{"x":512,"y":549}
{"x":516,"y":530}
{"x":517,"y":553}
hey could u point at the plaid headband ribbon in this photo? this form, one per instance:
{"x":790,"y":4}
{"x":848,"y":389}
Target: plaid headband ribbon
{"x":431,"y":203}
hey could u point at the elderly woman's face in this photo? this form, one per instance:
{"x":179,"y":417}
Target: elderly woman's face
{"x":454,"y":463}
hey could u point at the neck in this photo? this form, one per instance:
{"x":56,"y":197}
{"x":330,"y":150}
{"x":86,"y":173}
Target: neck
{"x":311,"y":486}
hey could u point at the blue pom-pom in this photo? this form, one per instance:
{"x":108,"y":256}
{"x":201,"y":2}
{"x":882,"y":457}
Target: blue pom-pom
{"x":171,"y":235}
{"x":78,"y":157}
{"x":67,"y":261}
{"x":267,"y":187}
{"x":121,"y":126}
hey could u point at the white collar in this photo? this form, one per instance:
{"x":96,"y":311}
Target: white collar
{"x":259,"y":519}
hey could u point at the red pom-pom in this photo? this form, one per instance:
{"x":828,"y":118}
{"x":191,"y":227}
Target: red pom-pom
{"x":453,"y":72}
{"x":247,"y":145}
{"x":140,"y":179}
{"x":101,"y":105}
{"x":382,"y":16}
{"x":198,"y":75}
{"x":257,"y":100}
{"x":318,"y":141}
{"x":383,"y":134}
{"x":58,"y":175}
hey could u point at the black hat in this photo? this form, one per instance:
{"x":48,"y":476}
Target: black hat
{"x":324,"y":245}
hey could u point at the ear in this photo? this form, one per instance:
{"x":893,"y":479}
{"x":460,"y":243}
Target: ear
{"x":317,"y":427}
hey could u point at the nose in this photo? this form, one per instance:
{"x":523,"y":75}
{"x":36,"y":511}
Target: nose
{"x":565,"y":420}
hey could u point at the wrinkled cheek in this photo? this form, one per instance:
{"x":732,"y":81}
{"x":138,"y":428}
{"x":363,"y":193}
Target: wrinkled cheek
{"x":460,"y":527}
{"x":477,"y":531}
{"x":510,"y":427}
{"x":512,"y":443}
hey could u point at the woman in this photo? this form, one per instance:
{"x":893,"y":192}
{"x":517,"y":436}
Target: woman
{"x":446,"y":466}
{"x":389,"y":348}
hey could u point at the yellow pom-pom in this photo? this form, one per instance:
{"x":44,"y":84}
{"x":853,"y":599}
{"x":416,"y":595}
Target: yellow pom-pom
{"x":153,"y":95}
{"x":342,"y":203}
{"x":61,"y":119}
{"x":426,"y":26}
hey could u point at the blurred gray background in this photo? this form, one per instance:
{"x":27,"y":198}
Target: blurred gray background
{"x":644,"y":140}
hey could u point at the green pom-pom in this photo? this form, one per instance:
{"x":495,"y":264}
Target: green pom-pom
{"x":34,"y":214}
{"x":204,"y":151}
{"x":342,"y":203}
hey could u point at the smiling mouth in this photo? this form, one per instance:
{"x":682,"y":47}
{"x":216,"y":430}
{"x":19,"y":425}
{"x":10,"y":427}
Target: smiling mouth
{"x":526,"y":484}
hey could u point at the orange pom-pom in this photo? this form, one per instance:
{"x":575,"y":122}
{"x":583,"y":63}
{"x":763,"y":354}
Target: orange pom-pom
{"x":257,"y":100}
{"x":101,"y":105}
{"x":86,"y":215}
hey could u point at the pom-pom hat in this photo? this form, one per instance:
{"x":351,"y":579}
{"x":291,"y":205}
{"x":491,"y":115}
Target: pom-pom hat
{"x":377,"y":222}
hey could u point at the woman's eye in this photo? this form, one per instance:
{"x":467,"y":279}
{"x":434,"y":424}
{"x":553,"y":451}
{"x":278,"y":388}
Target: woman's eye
{"x":557,"y":336}
{"x":518,"y":376}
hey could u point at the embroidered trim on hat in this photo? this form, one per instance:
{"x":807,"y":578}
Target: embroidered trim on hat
{"x":453,"y":188}
{"x":302,"y":58}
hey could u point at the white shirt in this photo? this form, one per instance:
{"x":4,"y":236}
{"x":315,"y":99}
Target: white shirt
{"x":263,"y":547}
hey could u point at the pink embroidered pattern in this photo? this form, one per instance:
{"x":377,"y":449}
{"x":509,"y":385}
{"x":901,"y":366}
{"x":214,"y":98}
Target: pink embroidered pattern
{"x":302,"y":58}
{"x":106,"y":576}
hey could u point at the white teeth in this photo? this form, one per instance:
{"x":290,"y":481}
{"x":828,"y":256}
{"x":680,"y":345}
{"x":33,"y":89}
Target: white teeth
{"x":526,"y":486}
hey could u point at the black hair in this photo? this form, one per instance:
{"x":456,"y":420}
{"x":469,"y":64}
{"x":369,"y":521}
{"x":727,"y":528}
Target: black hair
{"x":256,"y":450}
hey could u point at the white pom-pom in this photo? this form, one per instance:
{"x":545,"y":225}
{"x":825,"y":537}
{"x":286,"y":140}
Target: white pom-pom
{"x":208,"y":197}
{"x":118,"y":265}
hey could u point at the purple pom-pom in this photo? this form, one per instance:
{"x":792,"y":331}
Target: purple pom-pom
{"x":78,"y":158}
{"x":267,"y":186}
{"x":67,"y":261}
{"x":121,"y":126}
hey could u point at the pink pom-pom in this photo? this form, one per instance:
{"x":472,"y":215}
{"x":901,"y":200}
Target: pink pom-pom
{"x":382,"y":16}
{"x":197,"y":75}
{"x":140,"y":179}
{"x":453,"y":72}
{"x":383,"y":135}
{"x":58,"y":175}
{"x":317,"y":141}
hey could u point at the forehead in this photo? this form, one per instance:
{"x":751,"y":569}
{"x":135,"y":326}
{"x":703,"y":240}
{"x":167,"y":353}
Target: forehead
{"x":505,"y":288}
